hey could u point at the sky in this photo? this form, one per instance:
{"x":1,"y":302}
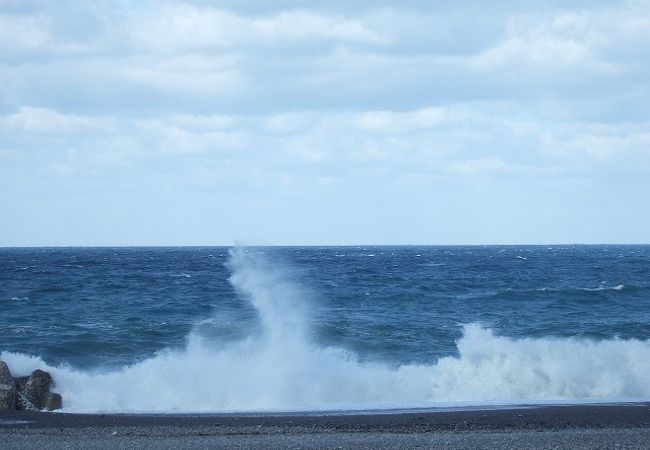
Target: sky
{"x":324,"y":122}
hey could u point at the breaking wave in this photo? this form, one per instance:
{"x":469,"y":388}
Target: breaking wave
{"x":281,"y":369}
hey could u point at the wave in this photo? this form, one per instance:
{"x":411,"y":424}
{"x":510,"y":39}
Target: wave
{"x":281,"y":369}
{"x":619,"y":287}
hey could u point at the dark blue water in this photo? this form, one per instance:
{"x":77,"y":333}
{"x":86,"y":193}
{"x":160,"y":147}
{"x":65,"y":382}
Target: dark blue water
{"x":107,"y":307}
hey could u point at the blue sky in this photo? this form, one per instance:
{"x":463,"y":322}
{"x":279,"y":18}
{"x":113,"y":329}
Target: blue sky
{"x":307,"y":122}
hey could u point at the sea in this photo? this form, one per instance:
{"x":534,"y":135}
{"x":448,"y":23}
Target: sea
{"x":216,"y":329}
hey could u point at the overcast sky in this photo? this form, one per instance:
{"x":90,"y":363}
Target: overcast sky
{"x":337,"y":122}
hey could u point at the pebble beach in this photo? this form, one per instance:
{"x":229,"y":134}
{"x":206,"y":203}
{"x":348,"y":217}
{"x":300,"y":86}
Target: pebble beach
{"x":587,"y":426}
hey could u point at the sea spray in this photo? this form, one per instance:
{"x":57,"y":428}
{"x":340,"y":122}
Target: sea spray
{"x":488,"y":369}
{"x":280,"y":368}
{"x":281,"y":305}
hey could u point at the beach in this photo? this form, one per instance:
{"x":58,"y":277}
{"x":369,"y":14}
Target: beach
{"x":622,"y":425}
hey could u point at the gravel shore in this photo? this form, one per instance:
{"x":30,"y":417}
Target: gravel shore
{"x":570,"y":426}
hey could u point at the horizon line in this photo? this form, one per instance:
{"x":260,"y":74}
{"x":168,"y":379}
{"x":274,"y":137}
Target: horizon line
{"x":319,"y":245}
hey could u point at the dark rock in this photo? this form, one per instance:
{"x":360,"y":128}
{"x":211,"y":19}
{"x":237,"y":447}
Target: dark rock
{"x":53,"y":401}
{"x":37,"y":387}
{"x":7,"y":397}
{"x":7,"y":388}
{"x":20,"y":383}
{"x":5,"y":374}
{"x":30,"y":393}
{"x":22,"y":404}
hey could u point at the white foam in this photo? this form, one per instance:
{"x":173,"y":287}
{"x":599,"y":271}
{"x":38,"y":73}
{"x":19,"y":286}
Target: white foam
{"x":619,"y":287}
{"x":281,"y":369}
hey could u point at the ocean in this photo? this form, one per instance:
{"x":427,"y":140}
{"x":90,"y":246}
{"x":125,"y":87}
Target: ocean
{"x":212,"y":329}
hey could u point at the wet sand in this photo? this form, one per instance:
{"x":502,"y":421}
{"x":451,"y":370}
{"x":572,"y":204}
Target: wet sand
{"x":568,"y":426}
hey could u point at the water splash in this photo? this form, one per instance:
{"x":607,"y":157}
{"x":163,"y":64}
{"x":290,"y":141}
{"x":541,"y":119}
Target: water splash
{"x":280,"y":304}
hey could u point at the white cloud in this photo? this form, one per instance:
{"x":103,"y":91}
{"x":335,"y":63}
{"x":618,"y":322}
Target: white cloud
{"x":20,"y":34}
{"x":182,"y":25}
{"x":326,"y":102}
{"x":482,"y":167}
{"x":24,"y":35}
{"x":401,"y":122}
{"x":178,"y":25}
{"x":197,"y":74}
{"x":549,"y":53}
{"x":456,"y":140}
{"x":300,"y":25}
{"x":288,"y":123}
{"x":601,"y":144}
{"x":169,"y":136}
{"x":205,"y":122}
{"x":580,"y":41}
{"x":43,"y":120}
{"x":304,"y":59}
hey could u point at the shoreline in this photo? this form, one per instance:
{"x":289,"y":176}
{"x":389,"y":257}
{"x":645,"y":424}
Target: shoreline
{"x":529,"y":426}
{"x":530,"y":416}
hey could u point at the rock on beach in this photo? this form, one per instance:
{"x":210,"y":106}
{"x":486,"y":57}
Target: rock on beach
{"x":27,"y":393}
{"x":7,"y":388}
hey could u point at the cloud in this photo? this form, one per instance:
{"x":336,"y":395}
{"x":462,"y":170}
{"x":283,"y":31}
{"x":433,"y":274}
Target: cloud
{"x":192,"y":57}
{"x":482,"y":167}
{"x":401,"y":122}
{"x":582,"y":41}
{"x":42,"y":120}
{"x":288,"y":123}
{"x":205,"y":122}
{"x":197,"y":74}
{"x":546,"y":52}
{"x":169,"y":137}
{"x":325,"y":107}
{"x":602,"y":144}
{"x":21,"y":34}
{"x":299,"y":25}
{"x":439,"y":141}
{"x":176,"y":26}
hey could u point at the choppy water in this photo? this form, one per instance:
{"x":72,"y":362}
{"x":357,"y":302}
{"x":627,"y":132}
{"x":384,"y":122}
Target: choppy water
{"x":214,"y":329}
